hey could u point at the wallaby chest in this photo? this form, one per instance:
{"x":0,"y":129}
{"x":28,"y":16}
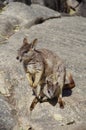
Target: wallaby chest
{"x":33,"y":64}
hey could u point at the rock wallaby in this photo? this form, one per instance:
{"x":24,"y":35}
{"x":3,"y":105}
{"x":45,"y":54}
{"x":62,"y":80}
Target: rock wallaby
{"x":32,"y":62}
{"x":53,"y":87}
{"x":45,"y":71}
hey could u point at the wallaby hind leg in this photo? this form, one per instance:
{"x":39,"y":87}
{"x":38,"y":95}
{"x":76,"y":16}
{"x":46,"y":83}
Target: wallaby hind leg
{"x":71,"y":83}
{"x":33,"y":104}
{"x":36,"y":100}
{"x":60,"y":100}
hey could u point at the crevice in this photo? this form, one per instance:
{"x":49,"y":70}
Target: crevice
{"x":42,"y":20}
{"x":39,"y":20}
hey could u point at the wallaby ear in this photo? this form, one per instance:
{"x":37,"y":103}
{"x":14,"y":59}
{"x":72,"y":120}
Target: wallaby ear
{"x":25,"y":41}
{"x":49,"y":82}
{"x":34,"y":43}
{"x":56,"y":84}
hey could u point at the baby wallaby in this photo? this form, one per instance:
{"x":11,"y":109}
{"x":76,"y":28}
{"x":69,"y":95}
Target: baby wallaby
{"x":51,"y":89}
{"x":53,"y":86}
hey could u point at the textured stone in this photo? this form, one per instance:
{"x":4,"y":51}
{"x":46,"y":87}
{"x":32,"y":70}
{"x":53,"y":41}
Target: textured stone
{"x":66,"y":37}
{"x":7,"y":121}
{"x":22,"y":16}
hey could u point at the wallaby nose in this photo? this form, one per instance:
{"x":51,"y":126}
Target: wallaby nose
{"x":17,"y":57}
{"x":20,"y":60}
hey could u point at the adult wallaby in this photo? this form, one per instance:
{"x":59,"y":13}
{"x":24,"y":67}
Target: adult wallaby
{"x":40,"y":65}
{"x":32,"y":62}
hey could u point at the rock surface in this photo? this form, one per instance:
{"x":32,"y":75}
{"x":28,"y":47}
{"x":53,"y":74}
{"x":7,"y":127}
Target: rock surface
{"x":7,"y":120}
{"x":79,"y":5}
{"x":22,"y":16}
{"x":82,"y":8}
{"x":65,"y":36}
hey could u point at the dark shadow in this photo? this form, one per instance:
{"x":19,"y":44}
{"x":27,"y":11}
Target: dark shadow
{"x":53,"y":101}
{"x":67,"y":92}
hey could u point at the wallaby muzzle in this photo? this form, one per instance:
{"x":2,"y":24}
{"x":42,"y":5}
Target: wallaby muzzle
{"x":18,"y":58}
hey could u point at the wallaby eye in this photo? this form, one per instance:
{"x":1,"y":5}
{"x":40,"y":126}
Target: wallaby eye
{"x":17,"y":57}
{"x":48,"y":91}
{"x":25,"y":51}
{"x":20,"y":60}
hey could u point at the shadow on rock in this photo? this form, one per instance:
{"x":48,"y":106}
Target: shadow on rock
{"x":53,"y":101}
{"x":67,"y":92}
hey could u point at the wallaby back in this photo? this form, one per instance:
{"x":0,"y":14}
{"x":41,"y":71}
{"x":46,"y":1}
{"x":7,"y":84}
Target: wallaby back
{"x":51,"y":61}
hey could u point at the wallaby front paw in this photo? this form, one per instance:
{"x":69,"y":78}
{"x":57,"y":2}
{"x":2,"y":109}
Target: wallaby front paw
{"x":34,"y":85}
{"x":31,"y":83}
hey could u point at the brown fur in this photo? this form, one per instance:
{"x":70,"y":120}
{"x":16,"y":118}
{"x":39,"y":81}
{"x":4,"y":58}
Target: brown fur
{"x":53,"y":88}
{"x":71,"y":83}
{"x":39,"y":65}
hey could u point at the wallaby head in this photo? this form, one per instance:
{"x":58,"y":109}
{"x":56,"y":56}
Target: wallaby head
{"x":25,"y":48}
{"x":50,"y":89}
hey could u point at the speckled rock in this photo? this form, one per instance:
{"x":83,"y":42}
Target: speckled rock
{"x":66,"y":37}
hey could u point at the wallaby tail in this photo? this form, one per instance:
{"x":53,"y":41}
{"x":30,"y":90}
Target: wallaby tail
{"x":71,"y":83}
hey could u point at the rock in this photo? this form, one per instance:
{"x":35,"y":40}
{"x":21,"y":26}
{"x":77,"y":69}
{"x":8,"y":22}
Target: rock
{"x":79,"y":5}
{"x":58,"y":117}
{"x":53,"y":4}
{"x":27,"y":16}
{"x":7,"y":121}
{"x":76,"y":6}
{"x":40,"y":2}
{"x":58,"y":5}
{"x":82,"y":8}
{"x":1,"y":5}
{"x":4,"y":89}
{"x":66,"y":37}
{"x":7,"y":27}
